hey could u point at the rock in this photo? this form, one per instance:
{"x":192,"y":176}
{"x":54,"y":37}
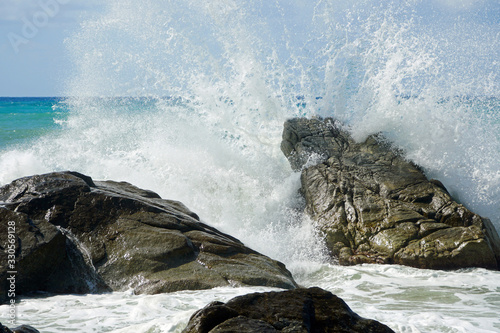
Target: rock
{"x":4,"y":329}
{"x":74,"y":235}
{"x":25,"y":329}
{"x":19,"y":329}
{"x":299,"y":310}
{"x":37,"y":255}
{"x":373,"y":206}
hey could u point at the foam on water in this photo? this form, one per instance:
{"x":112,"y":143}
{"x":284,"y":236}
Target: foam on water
{"x":404,"y":298}
{"x":417,"y":300}
{"x":211,"y":84}
{"x":120,"y":311}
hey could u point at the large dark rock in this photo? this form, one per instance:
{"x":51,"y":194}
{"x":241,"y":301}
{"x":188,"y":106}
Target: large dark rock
{"x":74,"y":235}
{"x":299,"y":310}
{"x":373,"y":206}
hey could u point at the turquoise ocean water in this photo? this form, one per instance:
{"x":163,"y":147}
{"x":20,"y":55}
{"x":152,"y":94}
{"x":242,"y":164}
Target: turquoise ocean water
{"x":424,"y":73}
{"x":23,"y":118}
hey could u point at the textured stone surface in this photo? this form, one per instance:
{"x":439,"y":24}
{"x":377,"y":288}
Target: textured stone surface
{"x":42,"y":257}
{"x":373,"y":206}
{"x":299,"y":310}
{"x":75,"y":235}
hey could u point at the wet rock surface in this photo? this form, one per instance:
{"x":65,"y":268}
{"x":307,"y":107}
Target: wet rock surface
{"x":37,"y":256}
{"x":373,"y":206}
{"x":299,"y":310}
{"x":74,"y":235}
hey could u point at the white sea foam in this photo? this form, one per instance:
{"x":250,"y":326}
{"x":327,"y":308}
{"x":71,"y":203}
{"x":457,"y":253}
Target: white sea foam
{"x":417,"y":300}
{"x":406,"y":299}
{"x":119,"y":312}
{"x":211,"y":85}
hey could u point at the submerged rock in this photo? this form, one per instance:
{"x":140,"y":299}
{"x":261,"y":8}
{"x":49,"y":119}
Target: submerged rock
{"x":373,"y":206}
{"x":74,"y":235}
{"x":299,"y":310}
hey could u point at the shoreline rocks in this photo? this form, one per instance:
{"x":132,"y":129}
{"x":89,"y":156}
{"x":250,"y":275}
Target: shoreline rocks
{"x":74,"y":235}
{"x":298,"y":310}
{"x":373,"y":206}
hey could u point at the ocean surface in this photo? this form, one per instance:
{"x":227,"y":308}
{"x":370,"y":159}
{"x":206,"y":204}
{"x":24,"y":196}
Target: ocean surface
{"x":25,"y":118}
{"x":188,"y":99}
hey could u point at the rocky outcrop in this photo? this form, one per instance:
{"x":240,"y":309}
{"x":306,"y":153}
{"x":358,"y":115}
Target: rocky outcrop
{"x":69,"y":234}
{"x":299,"y":310}
{"x":373,"y":206}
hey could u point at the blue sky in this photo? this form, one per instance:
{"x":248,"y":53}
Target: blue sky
{"x":34,"y":58}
